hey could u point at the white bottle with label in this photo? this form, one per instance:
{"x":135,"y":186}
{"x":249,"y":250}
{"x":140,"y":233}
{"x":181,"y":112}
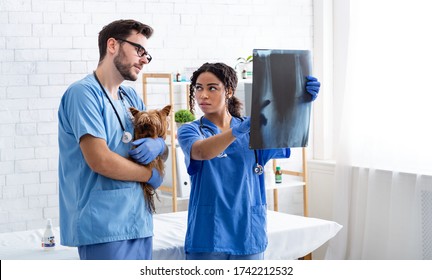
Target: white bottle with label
{"x":48,"y":239}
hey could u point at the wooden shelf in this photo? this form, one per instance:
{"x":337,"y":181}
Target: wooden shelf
{"x":288,"y":181}
{"x":162,"y":194}
{"x":286,"y":184}
{"x":172,"y":130}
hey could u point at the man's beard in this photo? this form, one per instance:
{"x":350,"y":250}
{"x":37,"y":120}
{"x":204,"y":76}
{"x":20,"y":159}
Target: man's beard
{"x":124,"y":70}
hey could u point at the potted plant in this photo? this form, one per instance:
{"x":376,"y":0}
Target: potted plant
{"x":243,"y":67}
{"x":183,"y":116}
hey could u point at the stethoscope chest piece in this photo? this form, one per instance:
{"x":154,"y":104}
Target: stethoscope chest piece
{"x":127,"y":137}
{"x":258,"y":169}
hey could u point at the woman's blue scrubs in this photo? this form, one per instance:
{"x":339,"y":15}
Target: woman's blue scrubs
{"x":95,"y":209}
{"x":227,"y":206}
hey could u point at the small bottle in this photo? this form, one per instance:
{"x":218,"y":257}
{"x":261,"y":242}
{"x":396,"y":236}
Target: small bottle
{"x":278,"y":175}
{"x":48,"y":239}
{"x":178,"y":76}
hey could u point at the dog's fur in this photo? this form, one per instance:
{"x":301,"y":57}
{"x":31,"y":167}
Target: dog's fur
{"x":152,"y":123}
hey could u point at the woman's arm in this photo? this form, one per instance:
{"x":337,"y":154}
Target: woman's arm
{"x":211,"y":147}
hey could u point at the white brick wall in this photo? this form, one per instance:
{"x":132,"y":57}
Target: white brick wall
{"x":47,"y":44}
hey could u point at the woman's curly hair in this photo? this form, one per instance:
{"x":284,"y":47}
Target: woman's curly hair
{"x":228,"y":76}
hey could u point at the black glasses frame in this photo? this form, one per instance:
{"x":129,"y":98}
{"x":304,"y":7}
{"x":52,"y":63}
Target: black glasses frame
{"x":141,"y":51}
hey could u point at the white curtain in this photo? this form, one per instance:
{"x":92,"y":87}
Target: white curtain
{"x":383,"y":194}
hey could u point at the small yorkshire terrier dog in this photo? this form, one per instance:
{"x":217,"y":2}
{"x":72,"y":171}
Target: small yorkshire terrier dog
{"x":152,"y":123}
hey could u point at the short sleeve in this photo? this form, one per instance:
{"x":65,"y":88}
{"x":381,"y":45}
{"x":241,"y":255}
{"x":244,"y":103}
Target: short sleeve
{"x":81,"y":111}
{"x":187,"y":135}
{"x":274,"y":153}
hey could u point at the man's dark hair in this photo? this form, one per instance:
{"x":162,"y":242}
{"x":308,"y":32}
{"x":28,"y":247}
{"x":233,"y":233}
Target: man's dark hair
{"x":121,"y":29}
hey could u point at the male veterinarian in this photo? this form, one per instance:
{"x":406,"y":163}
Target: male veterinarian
{"x":102,"y":207}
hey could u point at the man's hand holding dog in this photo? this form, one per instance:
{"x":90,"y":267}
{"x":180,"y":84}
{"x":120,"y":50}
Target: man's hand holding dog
{"x":155,"y":180}
{"x":147,"y":149}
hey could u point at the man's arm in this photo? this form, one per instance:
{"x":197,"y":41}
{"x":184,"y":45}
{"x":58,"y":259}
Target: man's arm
{"x":109,"y":164}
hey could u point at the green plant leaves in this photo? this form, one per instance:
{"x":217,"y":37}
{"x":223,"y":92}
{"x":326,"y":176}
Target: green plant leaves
{"x":183,"y":116}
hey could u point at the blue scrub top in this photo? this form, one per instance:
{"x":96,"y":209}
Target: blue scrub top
{"x":227,"y":206}
{"x":94,"y":208}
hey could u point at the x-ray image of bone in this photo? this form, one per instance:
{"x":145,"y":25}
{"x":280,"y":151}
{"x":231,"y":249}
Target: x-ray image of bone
{"x":280,"y":112}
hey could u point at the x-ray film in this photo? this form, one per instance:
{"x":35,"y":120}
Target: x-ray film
{"x":280,"y":110}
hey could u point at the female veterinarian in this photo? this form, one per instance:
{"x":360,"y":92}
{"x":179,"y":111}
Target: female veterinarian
{"x":227,"y":206}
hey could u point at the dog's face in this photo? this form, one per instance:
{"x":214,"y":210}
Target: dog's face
{"x":152,"y":123}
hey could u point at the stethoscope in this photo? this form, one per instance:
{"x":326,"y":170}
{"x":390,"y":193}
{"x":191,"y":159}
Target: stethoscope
{"x":127,"y":136}
{"x":258,"y":168}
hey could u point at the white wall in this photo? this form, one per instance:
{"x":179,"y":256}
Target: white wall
{"x":320,"y":193}
{"x":47,"y":44}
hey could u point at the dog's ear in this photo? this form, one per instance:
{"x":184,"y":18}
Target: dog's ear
{"x":166,"y":110}
{"x":134,"y":111}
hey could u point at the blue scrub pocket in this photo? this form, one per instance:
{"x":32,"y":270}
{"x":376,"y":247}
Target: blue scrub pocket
{"x":201,"y":228}
{"x":110,"y":214}
{"x":259,"y":225}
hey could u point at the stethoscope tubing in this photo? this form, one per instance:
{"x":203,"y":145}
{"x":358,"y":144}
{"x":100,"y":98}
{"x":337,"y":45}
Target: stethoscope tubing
{"x":127,"y":137}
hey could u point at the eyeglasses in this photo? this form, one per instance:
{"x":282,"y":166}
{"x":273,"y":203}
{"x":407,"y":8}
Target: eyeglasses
{"x":141,"y":51}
